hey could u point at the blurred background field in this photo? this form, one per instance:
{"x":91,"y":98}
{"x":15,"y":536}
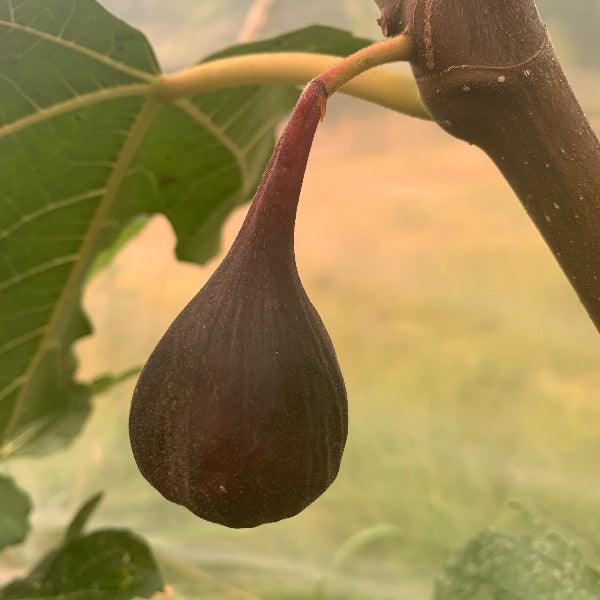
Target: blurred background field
{"x":473,"y":373}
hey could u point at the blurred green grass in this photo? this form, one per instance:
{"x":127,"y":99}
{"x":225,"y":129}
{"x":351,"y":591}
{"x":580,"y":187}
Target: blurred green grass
{"x":473,"y":376}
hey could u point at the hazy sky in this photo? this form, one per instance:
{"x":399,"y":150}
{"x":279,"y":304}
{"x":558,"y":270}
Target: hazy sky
{"x":184,"y":31}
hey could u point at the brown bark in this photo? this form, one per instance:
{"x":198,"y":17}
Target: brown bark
{"x":392,"y":16}
{"x":488,"y":73}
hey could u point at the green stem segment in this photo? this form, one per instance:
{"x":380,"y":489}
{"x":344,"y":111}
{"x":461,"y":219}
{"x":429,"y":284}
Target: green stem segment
{"x":379,"y":85}
{"x":396,"y":49}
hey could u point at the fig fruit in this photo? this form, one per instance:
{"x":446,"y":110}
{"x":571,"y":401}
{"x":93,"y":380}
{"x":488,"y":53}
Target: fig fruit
{"x":240,"y":413}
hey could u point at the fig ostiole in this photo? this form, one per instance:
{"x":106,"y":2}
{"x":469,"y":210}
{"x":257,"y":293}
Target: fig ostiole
{"x":240,"y":413}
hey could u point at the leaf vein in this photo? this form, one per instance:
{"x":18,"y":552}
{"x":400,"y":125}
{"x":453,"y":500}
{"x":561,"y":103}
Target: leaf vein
{"x":191,"y":110}
{"x":49,"y":208}
{"x":11,"y":11}
{"x":141,"y":122}
{"x":49,"y":112}
{"x":37,"y":270}
{"x":22,"y":339}
{"x":7,"y":390}
{"x":21,"y":93}
{"x":93,"y":54}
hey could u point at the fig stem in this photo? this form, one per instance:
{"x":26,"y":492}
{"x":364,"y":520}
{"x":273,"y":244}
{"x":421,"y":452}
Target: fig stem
{"x":380,"y":85}
{"x":399,"y":48}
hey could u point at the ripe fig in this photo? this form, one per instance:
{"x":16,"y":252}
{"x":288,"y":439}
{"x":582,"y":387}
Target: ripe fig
{"x":240,"y":413}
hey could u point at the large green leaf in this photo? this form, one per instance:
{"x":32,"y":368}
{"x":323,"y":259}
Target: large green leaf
{"x":85,"y":148}
{"x":15,"y":507}
{"x":529,"y":562}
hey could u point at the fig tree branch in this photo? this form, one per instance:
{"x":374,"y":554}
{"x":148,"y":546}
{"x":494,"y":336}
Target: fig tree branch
{"x":489,"y":75}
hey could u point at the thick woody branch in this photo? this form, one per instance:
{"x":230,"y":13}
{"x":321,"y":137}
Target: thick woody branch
{"x":488,"y":74}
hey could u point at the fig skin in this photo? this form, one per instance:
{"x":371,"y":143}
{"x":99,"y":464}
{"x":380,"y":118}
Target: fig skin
{"x":240,"y":413}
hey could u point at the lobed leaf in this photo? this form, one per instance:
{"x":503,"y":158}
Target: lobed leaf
{"x":85,"y":151}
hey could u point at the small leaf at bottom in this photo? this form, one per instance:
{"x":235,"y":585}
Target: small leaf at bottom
{"x":110,"y":564}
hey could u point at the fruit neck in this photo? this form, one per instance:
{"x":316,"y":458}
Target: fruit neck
{"x":271,"y":218}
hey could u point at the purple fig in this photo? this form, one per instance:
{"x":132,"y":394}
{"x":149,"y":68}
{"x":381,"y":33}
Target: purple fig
{"x":240,"y":413}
